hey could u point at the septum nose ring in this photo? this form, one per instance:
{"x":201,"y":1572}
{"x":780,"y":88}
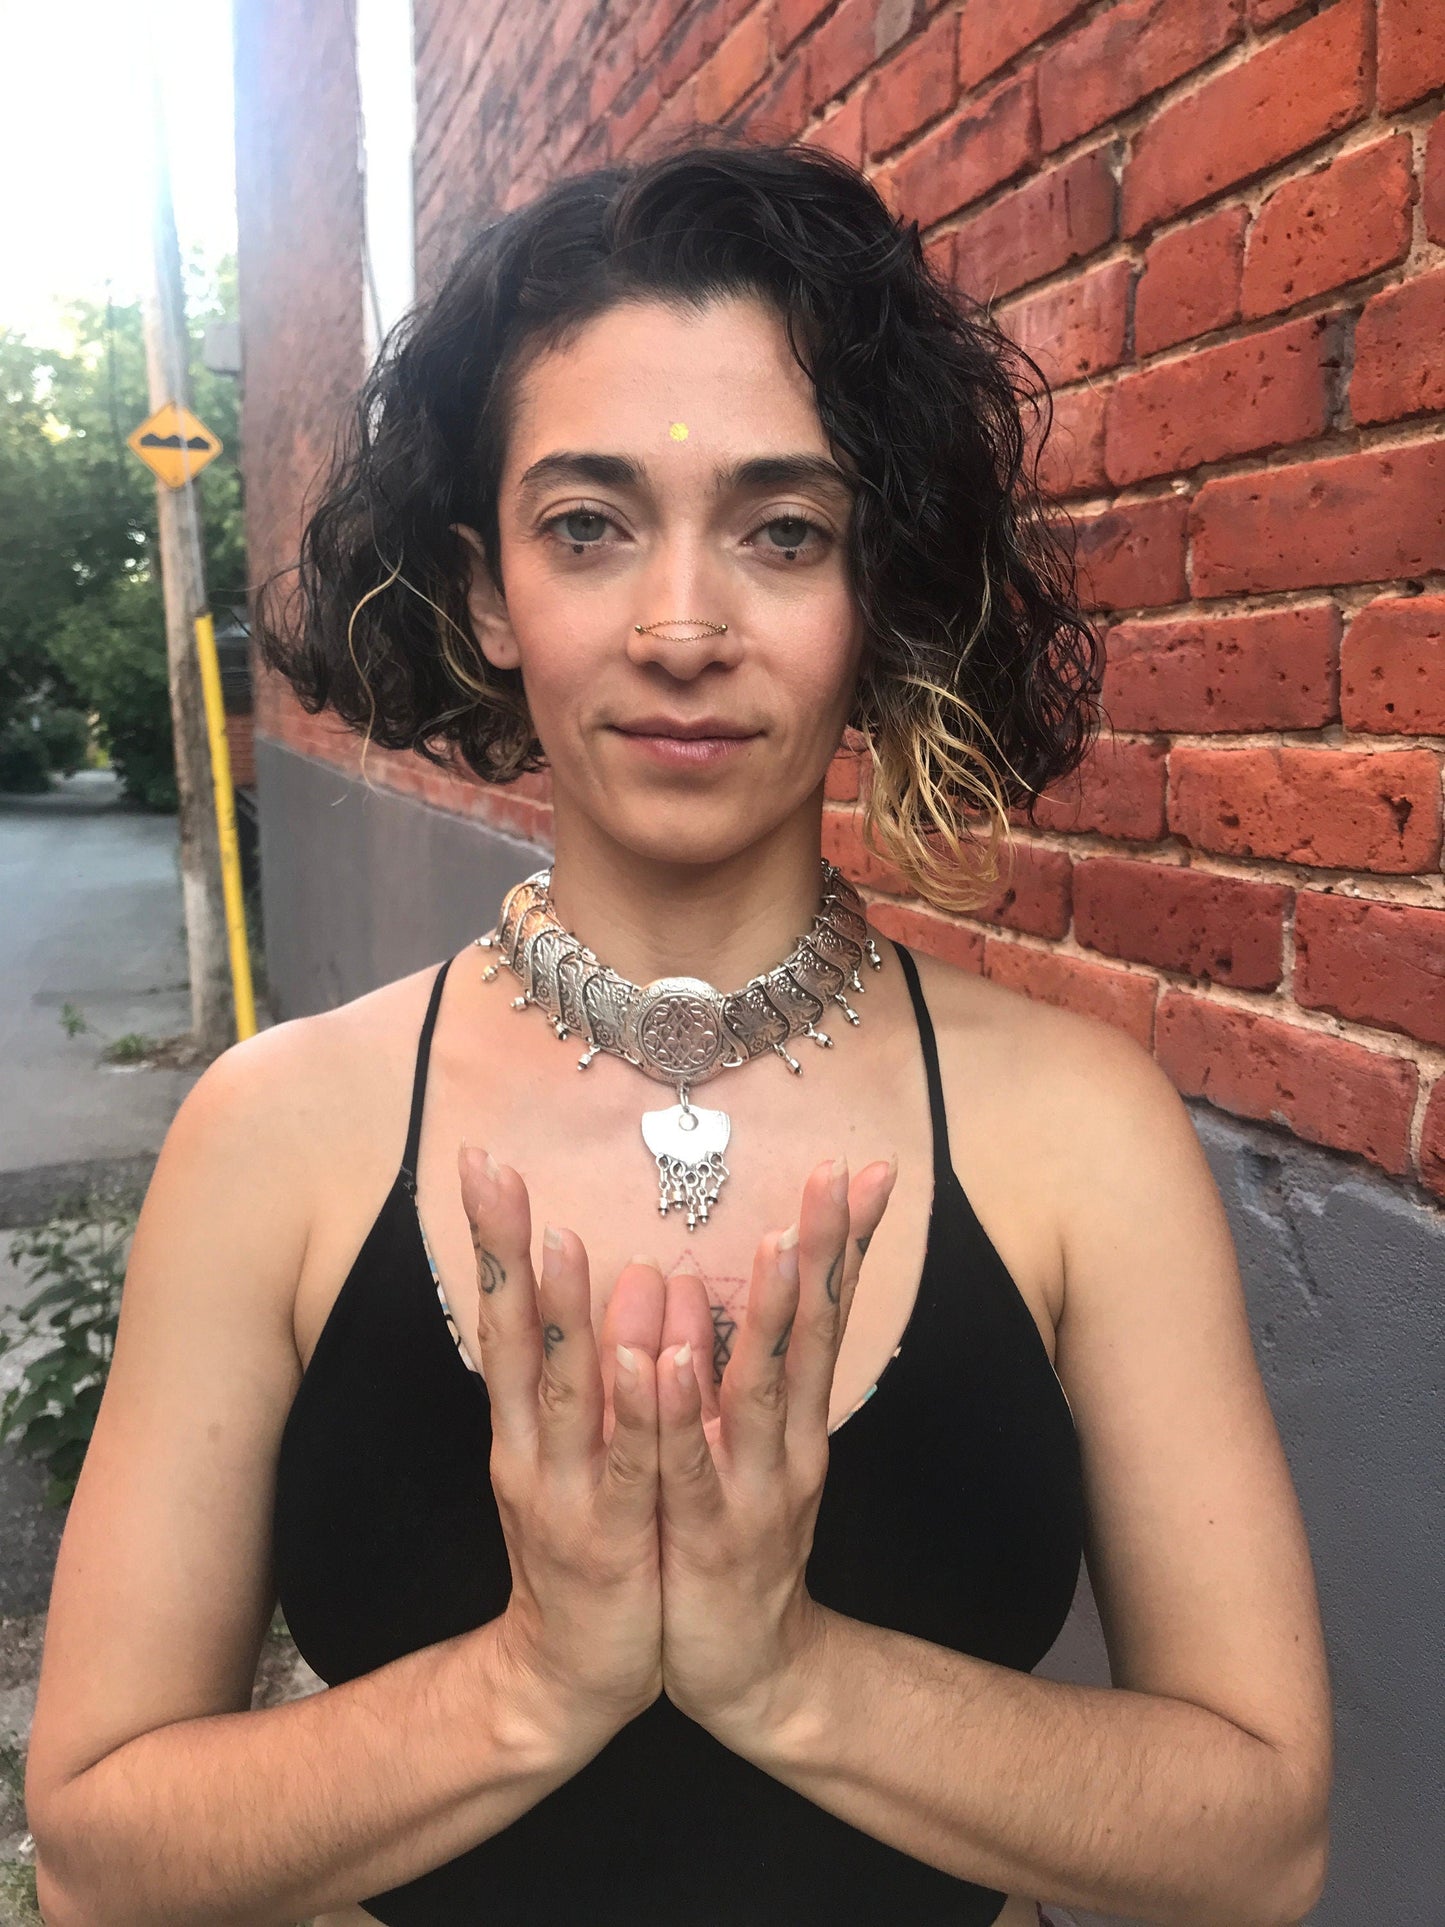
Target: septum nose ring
{"x":680,"y":622}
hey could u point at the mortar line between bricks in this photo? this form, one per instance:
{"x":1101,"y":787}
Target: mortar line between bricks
{"x":1250,"y":191}
{"x":1397,"y":1045}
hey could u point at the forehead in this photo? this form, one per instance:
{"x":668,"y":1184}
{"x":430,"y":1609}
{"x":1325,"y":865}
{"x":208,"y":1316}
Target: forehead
{"x":628,"y":377}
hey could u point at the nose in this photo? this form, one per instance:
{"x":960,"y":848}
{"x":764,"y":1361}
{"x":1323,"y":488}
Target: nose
{"x":679,"y":621}
{"x":683,"y":645}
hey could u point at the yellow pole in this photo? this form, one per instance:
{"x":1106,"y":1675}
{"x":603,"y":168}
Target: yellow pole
{"x":226,"y":827}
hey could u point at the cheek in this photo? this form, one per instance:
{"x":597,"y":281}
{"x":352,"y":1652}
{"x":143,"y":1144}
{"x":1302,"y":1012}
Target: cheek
{"x":819,"y":661}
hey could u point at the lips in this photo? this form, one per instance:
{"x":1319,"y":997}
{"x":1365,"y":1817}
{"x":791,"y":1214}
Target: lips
{"x":706,"y":728}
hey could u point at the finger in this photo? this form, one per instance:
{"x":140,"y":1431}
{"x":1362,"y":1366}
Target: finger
{"x":509,"y":1329}
{"x":687,"y":1320}
{"x":818,"y":1326}
{"x":570,"y":1390}
{"x":809,"y":1392}
{"x":868,"y":1199}
{"x":689,"y":1490}
{"x":629,"y":1487}
{"x":633,"y":1316}
{"x":755,"y":1387}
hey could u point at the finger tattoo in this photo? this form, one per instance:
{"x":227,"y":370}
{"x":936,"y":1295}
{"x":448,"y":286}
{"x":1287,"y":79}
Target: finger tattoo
{"x":551,"y":1338}
{"x":493,"y":1271}
{"x":830,"y":1284}
{"x":724,"y":1330}
{"x":863,"y":1243}
{"x":780,"y":1349}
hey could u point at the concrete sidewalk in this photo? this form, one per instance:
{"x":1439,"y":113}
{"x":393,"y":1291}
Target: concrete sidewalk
{"x":90,"y":916}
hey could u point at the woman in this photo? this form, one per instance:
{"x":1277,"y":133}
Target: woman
{"x":635,"y":1603}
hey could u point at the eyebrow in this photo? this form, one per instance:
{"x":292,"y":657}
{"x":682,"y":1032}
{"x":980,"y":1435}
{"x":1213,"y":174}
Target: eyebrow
{"x":620,"y":471}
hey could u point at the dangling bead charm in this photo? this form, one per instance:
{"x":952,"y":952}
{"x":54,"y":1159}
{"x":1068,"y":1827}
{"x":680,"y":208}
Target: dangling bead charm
{"x":688,"y":1145}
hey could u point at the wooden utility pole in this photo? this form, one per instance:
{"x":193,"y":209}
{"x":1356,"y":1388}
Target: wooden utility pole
{"x":167,"y":343}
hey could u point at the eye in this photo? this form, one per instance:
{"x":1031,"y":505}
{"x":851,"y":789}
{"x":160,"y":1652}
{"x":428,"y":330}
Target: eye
{"x":784,"y":535}
{"x":580,"y":528}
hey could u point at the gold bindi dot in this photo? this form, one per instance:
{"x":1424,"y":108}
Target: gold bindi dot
{"x":678,"y":431}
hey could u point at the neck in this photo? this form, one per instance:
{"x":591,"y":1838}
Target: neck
{"x":724,"y":922}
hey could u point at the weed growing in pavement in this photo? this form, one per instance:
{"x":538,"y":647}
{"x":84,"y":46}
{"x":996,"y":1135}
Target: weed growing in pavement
{"x":133,"y":1048}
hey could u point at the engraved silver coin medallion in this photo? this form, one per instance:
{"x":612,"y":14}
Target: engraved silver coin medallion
{"x":681,"y":1030}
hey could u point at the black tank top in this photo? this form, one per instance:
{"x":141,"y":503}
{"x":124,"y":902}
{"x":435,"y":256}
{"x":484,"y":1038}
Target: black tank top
{"x":953,"y":1510}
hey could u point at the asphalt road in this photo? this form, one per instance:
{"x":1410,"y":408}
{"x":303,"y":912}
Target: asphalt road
{"x":90,"y":917}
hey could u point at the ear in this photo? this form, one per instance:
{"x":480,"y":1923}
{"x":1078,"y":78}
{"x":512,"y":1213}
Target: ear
{"x":487,"y":606}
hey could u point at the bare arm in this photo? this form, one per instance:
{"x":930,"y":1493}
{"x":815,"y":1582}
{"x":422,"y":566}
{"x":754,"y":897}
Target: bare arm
{"x":1193,"y":1793}
{"x":1116,"y":1801}
{"x":256,"y":1819}
{"x":153,"y":1791}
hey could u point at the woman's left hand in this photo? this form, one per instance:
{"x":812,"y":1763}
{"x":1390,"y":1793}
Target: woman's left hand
{"x":740,"y":1490}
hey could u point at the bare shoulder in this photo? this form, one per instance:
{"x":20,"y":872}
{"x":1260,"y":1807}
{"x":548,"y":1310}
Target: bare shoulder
{"x":1082,"y":1093}
{"x":294,"y":1090}
{"x":1064,"y":1107}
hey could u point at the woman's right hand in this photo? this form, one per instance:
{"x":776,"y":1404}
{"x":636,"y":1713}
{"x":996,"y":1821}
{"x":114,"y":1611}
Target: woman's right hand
{"x":578,"y":1507}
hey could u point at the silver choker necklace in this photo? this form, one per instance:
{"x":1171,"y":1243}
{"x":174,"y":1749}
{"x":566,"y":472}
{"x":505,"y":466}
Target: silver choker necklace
{"x":680,"y":1030}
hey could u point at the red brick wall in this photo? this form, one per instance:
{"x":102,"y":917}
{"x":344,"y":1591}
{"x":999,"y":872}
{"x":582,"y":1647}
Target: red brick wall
{"x":241,"y":748}
{"x":299,"y":265}
{"x":1220,"y":227}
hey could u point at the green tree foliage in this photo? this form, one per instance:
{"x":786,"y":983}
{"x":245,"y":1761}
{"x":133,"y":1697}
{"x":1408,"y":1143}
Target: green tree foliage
{"x":80,"y":606}
{"x":113,"y":646}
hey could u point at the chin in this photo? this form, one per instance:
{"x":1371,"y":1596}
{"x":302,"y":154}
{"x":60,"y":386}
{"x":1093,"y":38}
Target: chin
{"x":684,"y":834}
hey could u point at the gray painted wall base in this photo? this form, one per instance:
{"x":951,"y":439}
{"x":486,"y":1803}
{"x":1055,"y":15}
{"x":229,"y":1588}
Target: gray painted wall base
{"x":361,"y":886}
{"x":1344,"y":1276}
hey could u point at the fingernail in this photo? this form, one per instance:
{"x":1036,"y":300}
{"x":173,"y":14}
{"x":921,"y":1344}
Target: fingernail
{"x":838,"y":1180}
{"x":644,"y":1258}
{"x":687,"y":1263}
{"x":481,"y":1167}
{"x":682,"y":1360}
{"x":788,"y":1254}
{"x":487,"y":1170}
{"x":551,"y":1251}
{"x":626,"y":1361}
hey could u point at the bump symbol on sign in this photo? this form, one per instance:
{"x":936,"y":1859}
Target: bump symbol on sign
{"x":174,"y":445}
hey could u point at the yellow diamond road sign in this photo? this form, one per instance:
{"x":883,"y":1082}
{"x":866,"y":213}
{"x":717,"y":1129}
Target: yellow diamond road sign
{"x":174,"y":444}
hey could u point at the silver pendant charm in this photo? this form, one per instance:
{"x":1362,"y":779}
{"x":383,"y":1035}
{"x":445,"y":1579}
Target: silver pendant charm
{"x":688,"y":1144}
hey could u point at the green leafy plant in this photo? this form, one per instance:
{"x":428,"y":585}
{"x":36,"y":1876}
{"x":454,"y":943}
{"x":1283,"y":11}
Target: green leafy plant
{"x":132,"y":1048}
{"x":114,"y":647}
{"x":73,"y":1019}
{"x":24,"y":770}
{"x":76,"y":1262}
{"x":65,"y":735}
{"x":18,"y":1897}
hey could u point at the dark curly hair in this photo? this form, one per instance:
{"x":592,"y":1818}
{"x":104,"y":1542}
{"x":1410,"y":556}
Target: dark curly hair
{"x":980,"y":677}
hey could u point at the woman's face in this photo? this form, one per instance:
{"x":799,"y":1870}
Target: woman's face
{"x":669,"y":469}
